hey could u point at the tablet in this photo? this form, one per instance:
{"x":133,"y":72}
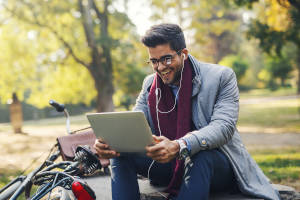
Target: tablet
{"x":122,"y":131}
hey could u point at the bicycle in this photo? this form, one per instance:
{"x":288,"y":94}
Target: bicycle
{"x":50,"y":175}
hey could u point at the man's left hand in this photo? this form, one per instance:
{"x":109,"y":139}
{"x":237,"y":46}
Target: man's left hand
{"x":164,"y":150}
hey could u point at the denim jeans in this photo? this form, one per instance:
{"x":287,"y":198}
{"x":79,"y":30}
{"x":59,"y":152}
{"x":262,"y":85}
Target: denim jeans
{"x":211,"y":172}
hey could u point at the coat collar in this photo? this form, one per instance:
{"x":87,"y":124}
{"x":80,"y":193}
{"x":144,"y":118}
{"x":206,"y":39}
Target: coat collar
{"x":197,"y":78}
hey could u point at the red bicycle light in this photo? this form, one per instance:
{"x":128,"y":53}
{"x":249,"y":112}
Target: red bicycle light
{"x":82,"y":191}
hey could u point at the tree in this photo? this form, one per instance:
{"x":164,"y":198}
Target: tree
{"x":277,"y":25}
{"x":72,"y":34}
{"x":238,"y":65}
{"x":212,"y":27}
{"x":279,"y":67}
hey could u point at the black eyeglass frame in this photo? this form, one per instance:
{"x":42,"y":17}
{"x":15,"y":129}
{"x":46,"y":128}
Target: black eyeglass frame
{"x":164,"y":59}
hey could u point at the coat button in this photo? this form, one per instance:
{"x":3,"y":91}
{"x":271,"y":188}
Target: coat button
{"x":203,"y":142}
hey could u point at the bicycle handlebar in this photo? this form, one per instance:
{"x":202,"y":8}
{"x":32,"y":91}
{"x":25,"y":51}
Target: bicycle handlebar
{"x":59,"y":107}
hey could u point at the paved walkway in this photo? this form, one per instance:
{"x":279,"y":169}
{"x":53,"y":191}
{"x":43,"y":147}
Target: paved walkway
{"x":265,"y":140}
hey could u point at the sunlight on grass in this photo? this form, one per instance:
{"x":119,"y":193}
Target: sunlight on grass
{"x":280,"y":165}
{"x":282,"y":114}
{"x":268,"y":93}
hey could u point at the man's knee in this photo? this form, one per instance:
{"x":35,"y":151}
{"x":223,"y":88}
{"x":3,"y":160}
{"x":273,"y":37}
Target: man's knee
{"x":203,"y":157}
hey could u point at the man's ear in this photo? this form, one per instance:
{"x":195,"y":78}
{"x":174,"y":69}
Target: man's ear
{"x":185,"y":53}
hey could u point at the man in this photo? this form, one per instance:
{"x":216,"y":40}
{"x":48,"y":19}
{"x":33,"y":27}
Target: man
{"x":192,"y":109}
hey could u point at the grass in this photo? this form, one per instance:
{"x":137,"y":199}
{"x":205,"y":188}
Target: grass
{"x":268,"y":93}
{"x":279,"y":115}
{"x":281,"y":166}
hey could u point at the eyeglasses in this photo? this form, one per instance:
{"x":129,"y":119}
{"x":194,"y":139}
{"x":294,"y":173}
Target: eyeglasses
{"x":165,"y":60}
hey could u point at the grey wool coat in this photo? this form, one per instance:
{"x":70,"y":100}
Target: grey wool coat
{"x":215,"y":107}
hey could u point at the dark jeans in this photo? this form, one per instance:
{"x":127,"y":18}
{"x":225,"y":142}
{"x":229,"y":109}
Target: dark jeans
{"x":211,"y":172}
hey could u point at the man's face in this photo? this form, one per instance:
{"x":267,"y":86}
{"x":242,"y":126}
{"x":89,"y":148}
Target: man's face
{"x":170,"y":71}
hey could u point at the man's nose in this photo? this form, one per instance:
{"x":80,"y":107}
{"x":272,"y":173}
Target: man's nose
{"x":161,"y":67}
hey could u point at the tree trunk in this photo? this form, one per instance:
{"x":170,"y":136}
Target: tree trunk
{"x":101,"y":64}
{"x":105,"y":89}
{"x":298,"y":67}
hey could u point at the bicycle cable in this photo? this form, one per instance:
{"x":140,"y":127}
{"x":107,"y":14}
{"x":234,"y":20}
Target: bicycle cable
{"x":36,"y":159}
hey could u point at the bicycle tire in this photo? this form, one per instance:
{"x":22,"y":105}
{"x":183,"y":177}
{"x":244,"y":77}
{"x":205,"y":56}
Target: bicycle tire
{"x":10,"y":190}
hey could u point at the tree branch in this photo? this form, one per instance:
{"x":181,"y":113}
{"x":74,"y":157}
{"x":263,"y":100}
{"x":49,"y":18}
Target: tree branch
{"x":87,"y":22}
{"x":99,"y":14}
{"x":53,"y":31}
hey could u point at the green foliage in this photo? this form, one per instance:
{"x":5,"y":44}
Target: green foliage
{"x":277,"y":24}
{"x":247,"y":3}
{"x":238,"y":65}
{"x":270,"y":40}
{"x":279,"y":67}
{"x":47,"y":34}
{"x":212,"y":27}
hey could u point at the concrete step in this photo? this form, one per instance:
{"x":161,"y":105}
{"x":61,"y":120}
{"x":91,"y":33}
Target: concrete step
{"x":101,"y":186}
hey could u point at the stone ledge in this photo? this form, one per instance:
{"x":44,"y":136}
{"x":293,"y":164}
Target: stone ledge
{"x":149,"y":192}
{"x":101,"y":186}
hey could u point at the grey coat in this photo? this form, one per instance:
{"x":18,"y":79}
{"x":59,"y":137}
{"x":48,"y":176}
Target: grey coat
{"x":215,"y":108}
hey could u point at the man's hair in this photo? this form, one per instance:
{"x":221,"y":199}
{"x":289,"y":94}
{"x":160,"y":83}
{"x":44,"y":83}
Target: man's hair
{"x":165,"y":34}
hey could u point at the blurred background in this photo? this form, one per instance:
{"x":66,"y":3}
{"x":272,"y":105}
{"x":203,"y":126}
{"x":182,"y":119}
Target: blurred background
{"x":87,"y":54}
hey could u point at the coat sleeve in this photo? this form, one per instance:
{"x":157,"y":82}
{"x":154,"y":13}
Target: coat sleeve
{"x":142,"y":100}
{"x":223,"y":120}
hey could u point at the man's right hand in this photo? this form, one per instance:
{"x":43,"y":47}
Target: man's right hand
{"x":103,"y":150}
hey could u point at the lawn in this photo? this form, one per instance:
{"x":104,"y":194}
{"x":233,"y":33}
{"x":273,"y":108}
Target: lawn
{"x":269,"y":112}
{"x":282,"y":166}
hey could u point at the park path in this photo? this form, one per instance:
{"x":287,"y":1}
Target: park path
{"x":267,"y":140}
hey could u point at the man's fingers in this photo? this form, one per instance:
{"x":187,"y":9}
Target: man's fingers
{"x":103,"y":150}
{"x":158,"y":138}
{"x":155,"y":147}
{"x":108,"y":154}
{"x":162,"y":154}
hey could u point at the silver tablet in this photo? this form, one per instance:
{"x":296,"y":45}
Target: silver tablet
{"x":122,"y":131}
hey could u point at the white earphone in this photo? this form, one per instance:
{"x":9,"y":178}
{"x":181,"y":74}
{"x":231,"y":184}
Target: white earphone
{"x":158,"y":91}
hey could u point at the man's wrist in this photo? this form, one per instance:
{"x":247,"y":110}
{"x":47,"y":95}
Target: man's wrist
{"x":183,"y":151}
{"x":187,"y":143}
{"x":177,"y":147}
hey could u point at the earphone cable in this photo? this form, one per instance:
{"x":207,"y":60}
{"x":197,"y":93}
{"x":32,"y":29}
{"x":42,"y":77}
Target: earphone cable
{"x":158,"y":90}
{"x":157,"y":99}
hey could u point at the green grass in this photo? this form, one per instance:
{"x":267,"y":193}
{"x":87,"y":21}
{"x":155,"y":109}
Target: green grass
{"x":6,"y":177}
{"x":281,"y":165}
{"x":268,"y":93}
{"x":282,"y":114}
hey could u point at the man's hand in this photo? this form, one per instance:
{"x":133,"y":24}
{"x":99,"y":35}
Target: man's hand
{"x":164,"y":150}
{"x":103,"y":149}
